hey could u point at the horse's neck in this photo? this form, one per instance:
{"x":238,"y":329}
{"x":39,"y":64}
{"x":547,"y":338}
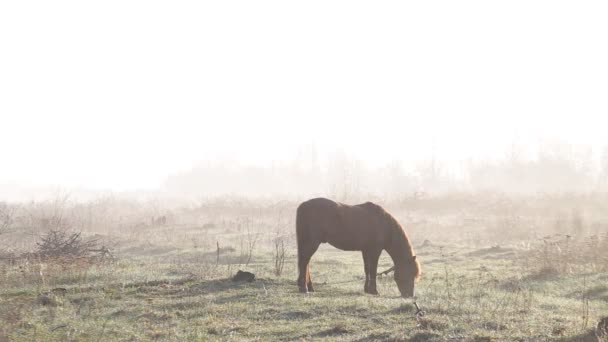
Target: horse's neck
{"x":399,"y":249}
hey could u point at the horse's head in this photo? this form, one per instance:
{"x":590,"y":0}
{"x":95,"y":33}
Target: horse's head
{"x":406,"y":277}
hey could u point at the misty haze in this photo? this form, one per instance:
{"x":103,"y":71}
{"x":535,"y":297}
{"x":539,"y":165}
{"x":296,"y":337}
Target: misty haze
{"x":272,"y":171}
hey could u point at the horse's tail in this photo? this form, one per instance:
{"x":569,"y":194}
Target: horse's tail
{"x":300,"y":226}
{"x":303,"y":227}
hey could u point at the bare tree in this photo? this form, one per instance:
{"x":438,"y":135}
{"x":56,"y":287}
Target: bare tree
{"x":345,"y":177}
{"x":6,"y":217}
{"x":58,"y":209}
{"x":279,"y":245}
{"x":252,"y":238}
{"x":279,"y":256}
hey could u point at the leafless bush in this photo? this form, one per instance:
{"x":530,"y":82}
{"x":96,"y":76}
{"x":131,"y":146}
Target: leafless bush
{"x":279,"y":241}
{"x":248,"y":239}
{"x":63,"y":244}
{"x":252,"y":239}
{"x":279,"y":255}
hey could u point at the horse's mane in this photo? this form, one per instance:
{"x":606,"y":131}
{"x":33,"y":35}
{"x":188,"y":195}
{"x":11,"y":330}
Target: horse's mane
{"x":400,"y":232}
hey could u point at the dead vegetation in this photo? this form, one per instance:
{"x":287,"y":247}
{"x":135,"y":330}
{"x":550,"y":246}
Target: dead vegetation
{"x":602,"y":328}
{"x":564,"y":254}
{"x":60,"y":244}
{"x":279,"y":255}
{"x":541,"y":281}
{"x":6,"y":216}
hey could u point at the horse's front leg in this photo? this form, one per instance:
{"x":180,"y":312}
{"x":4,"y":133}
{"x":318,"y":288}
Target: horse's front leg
{"x":373,"y":258}
{"x":366,"y":269}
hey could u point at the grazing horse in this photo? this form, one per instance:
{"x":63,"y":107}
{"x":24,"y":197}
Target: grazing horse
{"x":364,"y":227}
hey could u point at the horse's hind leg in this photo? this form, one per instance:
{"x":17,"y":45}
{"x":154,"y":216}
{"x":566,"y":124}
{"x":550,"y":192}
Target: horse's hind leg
{"x":302,"y":271}
{"x":309,"y":279}
{"x":305,"y":252}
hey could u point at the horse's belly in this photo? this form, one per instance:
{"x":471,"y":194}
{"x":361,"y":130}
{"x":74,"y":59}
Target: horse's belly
{"x":345,"y":245}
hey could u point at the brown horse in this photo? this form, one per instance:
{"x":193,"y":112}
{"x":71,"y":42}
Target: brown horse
{"x":364,"y":227}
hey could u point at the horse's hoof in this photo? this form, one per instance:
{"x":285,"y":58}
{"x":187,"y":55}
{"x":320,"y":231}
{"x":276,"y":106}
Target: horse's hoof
{"x":303,"y":290}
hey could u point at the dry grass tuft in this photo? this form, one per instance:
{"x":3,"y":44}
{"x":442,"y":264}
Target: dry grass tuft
{"x":562,"y":254}
{"x":338,"y":329}
{"x":602,"y":328}
{"x":425,"y":323}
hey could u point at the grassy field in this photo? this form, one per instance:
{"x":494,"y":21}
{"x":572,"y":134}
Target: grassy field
{"x":166,"y":282}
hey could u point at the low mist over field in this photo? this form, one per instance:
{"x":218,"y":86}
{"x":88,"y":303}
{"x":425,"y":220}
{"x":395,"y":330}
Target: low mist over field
{"x":555,"y":166}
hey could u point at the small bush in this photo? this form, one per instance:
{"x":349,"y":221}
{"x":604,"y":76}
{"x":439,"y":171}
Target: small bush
{"x":67,"y":245}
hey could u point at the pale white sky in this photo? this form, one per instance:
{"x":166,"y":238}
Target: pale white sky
{"x":118,"y":94}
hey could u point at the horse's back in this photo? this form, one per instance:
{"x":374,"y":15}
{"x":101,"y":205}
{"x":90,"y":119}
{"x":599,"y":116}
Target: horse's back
{"x":316,"y":214}
{"x":347,"y":227}
{"x":319,"y":202}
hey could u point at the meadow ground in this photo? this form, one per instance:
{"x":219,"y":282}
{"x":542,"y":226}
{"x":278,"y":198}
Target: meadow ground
{"x":158,"y":289}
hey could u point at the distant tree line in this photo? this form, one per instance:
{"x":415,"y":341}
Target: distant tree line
{"x":555,"y":167}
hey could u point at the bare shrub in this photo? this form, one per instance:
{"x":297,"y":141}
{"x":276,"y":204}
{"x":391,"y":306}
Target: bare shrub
{"x":279,"y":255}
{"x":63,"y":244}
{"x":252,"y":239}
{"x":60,"y":256}
{"x":248,"y":239}
{"x":279,"y":242}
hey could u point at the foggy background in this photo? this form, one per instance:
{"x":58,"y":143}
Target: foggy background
{"x":343,"y":99}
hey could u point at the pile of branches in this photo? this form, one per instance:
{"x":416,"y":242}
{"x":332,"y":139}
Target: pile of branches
{"x":63,"y":244}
